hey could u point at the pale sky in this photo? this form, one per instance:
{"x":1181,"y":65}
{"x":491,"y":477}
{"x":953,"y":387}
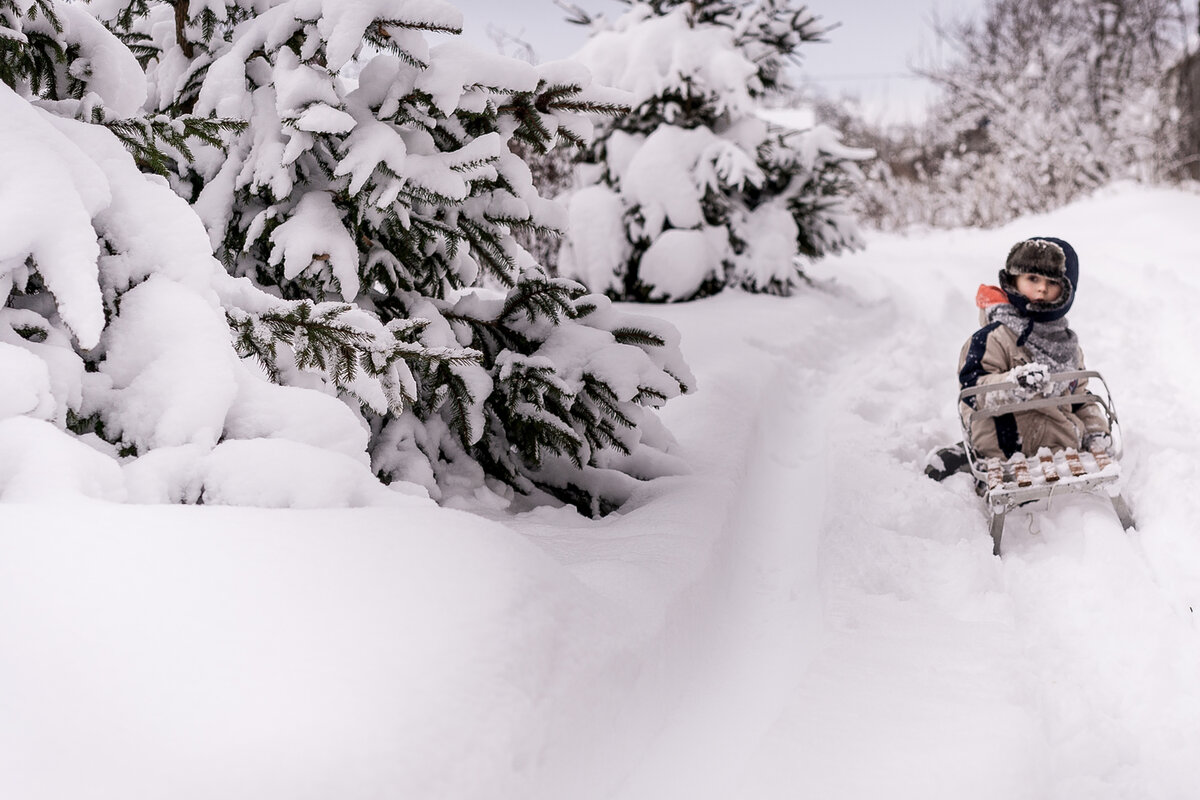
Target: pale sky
{"x":868,"y":55}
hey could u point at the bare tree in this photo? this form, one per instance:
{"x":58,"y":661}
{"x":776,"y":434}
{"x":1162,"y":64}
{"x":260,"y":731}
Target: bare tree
{"x":1070,"y":95}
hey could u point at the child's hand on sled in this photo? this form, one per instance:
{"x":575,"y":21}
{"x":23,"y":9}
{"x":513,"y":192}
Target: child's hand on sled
{"x":1031,"y":380}
{"x":1097,"y":440}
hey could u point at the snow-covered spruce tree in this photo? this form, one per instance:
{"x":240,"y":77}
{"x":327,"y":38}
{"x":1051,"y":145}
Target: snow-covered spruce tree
{"x":693,"y":191}
{"x":1044,"y":101}
{"x":374,"y":175}
{"x":118,"y":375}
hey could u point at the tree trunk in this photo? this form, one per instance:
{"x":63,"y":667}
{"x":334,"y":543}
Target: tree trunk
{"x":181,"y":10}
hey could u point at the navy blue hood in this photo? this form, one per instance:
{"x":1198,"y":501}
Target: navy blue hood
{"x":1042,"y":312}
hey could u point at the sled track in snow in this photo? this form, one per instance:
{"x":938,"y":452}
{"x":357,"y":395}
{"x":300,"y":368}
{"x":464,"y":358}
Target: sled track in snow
{"x":762,"y":591}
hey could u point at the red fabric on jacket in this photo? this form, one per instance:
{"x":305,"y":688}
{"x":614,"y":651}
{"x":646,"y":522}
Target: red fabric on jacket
{"x":990,"y":296}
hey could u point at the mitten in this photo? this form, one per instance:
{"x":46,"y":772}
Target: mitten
{"x":1031,"y":380}
{"x":1098,"y":440}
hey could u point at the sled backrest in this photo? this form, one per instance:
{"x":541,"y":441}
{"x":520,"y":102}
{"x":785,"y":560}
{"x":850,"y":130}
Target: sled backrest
{"x":970,"y":406}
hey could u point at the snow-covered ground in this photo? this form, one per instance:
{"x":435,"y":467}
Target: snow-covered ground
{"x":803,"y":614}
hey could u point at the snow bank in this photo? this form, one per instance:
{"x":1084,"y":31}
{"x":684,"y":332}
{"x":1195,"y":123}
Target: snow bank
{"x":283,"y":474}
{"x":169,"y":362}
{"x":40,"y":463}
{"x":204,"y":652}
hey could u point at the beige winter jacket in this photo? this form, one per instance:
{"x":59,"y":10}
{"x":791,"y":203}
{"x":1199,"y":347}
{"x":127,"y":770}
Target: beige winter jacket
{"x":1055,"y":427}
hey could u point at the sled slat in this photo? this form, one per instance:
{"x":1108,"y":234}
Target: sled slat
{"x":1021,"y":471}
{"x":1102,"y":458}
{"x":1074,"y":464}
{"x":995,"y":473}
{"x":1048,"y":468}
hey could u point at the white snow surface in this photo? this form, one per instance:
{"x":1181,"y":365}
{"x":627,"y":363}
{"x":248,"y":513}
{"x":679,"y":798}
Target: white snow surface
{"x":802,"y":614}
{"x":298,"y":242}
{"x":598,"y":247}
{"x":50,"y":193}
{"x":679,"y":261}
{"x":114,"y":76}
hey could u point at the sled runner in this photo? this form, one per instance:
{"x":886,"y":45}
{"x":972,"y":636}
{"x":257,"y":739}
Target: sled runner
{"x":1007,"y":484}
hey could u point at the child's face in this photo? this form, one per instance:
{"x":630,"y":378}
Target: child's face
{"x":1038,"y":288}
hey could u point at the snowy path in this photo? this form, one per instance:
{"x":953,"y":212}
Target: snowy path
{"x":1067,"y":669}
{"x":921,"y":642}
{"x":859,"y":611}
{"x":767,"y":621}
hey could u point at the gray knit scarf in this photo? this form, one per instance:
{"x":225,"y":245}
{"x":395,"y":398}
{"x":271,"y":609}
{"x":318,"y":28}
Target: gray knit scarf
{"x":1051,"y":343}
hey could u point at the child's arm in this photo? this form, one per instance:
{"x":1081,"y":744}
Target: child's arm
{"x":983,"y":359}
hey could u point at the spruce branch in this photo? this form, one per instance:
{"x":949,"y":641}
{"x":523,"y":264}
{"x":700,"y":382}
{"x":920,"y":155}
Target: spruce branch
{"x":381,"y":25}
{"x":639,"y":337}
{"x":575,"y":14}
{"x":456,"y":396}
{"x":647,"y":396}
{"x":527,"y":409}
{"x":34,"y":59}
{"x":490,"y":337}
{"x":599,"y":392}
{"x":321,"y":340}
{"x":684,"y":386}
{"x":159,"y":141}
{"x":537,"y":294}
{"x":571,"y":138}
{"x":485,"y":244}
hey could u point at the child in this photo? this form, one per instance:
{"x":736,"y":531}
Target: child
{"x":1024,"y":338}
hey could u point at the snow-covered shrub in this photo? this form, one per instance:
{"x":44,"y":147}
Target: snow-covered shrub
{"x":694,"y":191}
{"x":118,"y":375}
{"x":369,"y":183}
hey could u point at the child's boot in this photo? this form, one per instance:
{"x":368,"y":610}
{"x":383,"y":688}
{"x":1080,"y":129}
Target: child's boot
{"x":942,"y":463}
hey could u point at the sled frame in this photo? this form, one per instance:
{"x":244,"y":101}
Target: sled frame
{"x":1022,"y":480}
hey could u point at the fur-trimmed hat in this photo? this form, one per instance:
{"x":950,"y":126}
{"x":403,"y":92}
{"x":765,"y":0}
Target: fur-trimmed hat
{"x":1037,"y":257}
{"x":1049,"y":257}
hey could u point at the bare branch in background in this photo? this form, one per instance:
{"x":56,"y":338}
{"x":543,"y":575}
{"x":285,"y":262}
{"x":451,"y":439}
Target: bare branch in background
{"x":511,"y":44}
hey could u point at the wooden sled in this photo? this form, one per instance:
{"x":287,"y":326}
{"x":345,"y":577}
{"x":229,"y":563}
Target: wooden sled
{"x":1020,"y":480}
